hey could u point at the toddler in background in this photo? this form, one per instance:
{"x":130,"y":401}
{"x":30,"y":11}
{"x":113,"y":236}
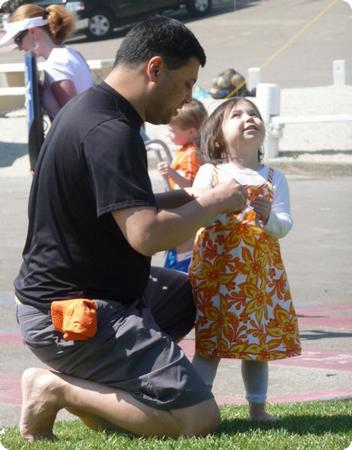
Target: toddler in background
{"x":184,"y":131}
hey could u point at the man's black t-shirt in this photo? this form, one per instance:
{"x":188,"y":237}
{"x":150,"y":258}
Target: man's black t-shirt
{"x":93,"y":162}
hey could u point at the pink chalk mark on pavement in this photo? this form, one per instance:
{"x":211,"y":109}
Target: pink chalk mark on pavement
{"x":10,"y":390}
{"x":333,"y":316}
{"x":331,"y":309}
{"x":340,"y":323}
{"x":319,"y":359}
{"x":11,"y":339}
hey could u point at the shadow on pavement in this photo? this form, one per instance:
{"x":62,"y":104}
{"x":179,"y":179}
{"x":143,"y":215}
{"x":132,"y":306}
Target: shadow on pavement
{"x":312,"y":335}
{"x":241,"y":4}
{"x":10,"y":151}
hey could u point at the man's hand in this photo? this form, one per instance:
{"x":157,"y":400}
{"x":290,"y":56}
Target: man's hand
{"x":231,"y":196}
{"x":262,"y":208}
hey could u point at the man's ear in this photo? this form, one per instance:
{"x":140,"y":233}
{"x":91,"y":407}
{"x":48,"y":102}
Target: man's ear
{"x":154,"y":68}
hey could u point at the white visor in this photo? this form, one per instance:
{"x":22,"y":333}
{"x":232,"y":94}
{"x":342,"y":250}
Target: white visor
{"x":13,"y":28}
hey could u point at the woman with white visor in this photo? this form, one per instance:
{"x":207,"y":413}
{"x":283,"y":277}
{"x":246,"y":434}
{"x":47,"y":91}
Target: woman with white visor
{"x":43,"y":32}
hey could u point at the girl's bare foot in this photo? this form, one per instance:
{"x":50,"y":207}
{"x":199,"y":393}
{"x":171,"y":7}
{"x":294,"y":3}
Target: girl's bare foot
{"x":40,"y":404}
{"x":265,"y":417}
{"x":257,"y":412}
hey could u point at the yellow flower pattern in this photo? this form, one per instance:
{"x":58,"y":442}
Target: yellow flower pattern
{"x":244,"y":305}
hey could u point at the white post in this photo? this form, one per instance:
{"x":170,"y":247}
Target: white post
{"x":268,"y":102}
{"x":339,"y":73}
{"x":254,"y":77}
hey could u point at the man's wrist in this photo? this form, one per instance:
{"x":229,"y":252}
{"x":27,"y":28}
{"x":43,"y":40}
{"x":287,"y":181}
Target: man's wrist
{"x":191,"y":193}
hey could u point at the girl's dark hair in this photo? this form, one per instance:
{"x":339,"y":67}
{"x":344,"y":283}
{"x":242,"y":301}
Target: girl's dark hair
{"x":212,"y":142}
{"x":160,"y":35}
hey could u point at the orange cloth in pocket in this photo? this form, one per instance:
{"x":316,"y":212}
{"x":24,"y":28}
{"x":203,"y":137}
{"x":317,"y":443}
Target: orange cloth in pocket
{"x":76,"y":319}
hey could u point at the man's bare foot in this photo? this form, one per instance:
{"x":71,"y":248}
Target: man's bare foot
{"x":257,"y":412}
{"x":40,"y":404}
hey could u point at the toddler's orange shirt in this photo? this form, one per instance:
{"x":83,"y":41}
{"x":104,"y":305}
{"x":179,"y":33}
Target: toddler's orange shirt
{"x":186,"y":162}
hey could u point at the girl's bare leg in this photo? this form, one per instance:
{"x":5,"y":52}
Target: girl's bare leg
{"x":45,"y":393}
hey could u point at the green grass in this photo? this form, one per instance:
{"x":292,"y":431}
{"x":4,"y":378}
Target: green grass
{"x":304,"y":426}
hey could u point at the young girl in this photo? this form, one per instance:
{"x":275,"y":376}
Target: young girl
{"x":244,"y":305}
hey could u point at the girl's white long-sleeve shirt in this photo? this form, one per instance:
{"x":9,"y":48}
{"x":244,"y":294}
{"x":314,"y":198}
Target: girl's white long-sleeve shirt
{"x":280,"y":220}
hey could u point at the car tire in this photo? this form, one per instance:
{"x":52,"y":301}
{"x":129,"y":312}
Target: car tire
{"x":101,"y":24}
{"x":199,"y":8}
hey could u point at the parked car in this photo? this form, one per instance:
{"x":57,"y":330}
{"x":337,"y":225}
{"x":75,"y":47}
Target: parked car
{"x":100,"y":17}
{"x":105,"y":15}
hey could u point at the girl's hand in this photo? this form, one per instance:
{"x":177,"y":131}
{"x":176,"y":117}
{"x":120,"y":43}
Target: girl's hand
{"x":262,"y":208}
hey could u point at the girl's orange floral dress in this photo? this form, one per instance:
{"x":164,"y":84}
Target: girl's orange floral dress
{"x":244,"y":305}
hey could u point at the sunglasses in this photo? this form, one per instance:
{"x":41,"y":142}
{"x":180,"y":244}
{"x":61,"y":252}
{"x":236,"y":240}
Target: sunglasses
{"x":19,"y":37}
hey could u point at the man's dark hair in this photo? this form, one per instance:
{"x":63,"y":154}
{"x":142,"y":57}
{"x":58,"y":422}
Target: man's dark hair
{"x":160,"y":35}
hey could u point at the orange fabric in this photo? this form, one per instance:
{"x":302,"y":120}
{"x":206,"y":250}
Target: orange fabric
{"x":76,"y":319}
{"x":186,"y":162}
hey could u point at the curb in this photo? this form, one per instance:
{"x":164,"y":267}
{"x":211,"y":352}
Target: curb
{"x":312,"y":168}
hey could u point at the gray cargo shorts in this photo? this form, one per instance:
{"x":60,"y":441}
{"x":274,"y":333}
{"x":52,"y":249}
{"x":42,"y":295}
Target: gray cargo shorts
{"x":134,"y":348}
